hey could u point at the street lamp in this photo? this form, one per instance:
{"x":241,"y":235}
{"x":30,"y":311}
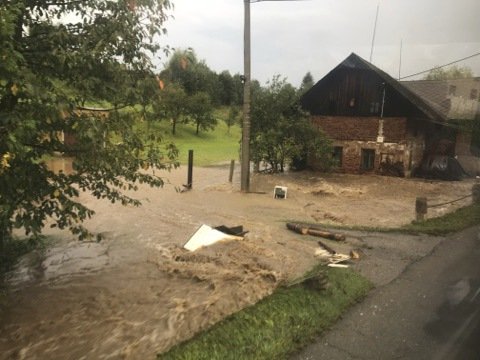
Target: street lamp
{"x":245,"y":165}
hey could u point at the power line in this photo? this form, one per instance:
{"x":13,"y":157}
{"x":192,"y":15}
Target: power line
{"x":441,"y":66}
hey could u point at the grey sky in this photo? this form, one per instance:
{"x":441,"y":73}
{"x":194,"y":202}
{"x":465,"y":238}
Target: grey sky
{"x":291,"y":38}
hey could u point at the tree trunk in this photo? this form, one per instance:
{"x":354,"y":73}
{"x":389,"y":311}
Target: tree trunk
{"x":198,"y":126}
{"x":174,"y":125}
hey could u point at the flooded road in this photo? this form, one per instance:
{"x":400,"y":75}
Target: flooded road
{"x":137,"y":293}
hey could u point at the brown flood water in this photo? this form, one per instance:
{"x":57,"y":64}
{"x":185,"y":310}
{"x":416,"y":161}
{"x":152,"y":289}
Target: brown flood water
{"x":137,"y":293}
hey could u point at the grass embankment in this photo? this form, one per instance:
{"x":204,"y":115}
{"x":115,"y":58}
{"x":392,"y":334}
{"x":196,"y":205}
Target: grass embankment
{"x":209,"y":147}
{"x":279,"y":324}
{"x":452,"y":222}
{"x":458,"y":220}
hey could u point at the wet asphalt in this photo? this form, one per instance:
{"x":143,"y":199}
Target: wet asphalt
{"x":430,"y":311}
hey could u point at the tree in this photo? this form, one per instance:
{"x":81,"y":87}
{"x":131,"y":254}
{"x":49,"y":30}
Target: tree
{"x":200,"y":111}
{"x":281,"y":131}
{"x":56,"y":57}
{"x":232,"y":118}
{"x":184,"y":69}
{"x":307,"y":83}
{"x":227,"y":87}
{"x":148,"y":88}
{"x":453,"y":72}
{"x":172,"y":105}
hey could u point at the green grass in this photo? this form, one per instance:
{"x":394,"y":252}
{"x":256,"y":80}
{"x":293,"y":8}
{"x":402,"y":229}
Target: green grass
{"x":458,"y":220}
{"x":452,"y":222}
{"x":209,"y":147}
{"x":279,"y":324}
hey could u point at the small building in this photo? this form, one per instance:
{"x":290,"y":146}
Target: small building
{"x":459,"y":101}
{"x":377,"y":124}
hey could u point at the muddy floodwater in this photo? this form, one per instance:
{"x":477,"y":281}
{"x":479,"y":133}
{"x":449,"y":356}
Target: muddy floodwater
{"x":138,"y":292}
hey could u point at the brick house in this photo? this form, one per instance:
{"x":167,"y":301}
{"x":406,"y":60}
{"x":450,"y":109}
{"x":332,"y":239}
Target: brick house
{"x":459,"y":101}
{"x":377,"y":124}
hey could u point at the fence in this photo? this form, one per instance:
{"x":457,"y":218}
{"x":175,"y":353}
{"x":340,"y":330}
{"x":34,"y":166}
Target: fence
{"x":421,"y":203}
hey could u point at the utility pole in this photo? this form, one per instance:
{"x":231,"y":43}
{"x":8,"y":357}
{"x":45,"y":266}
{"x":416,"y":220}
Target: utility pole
{"x":245,"y":166}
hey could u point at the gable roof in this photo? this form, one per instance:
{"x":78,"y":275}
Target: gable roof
{"x":353,"y":61}
{"x":454,"y":105}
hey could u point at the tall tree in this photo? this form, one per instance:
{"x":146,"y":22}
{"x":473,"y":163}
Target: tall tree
{"x":232,"y":118}
{"x":55,"y":57}
{"x":307,"y":83}
{"x":281,"y":131}
{"x":453,"y":72}
{"x":172,"y":105}
{"x":200,"y":111}
{"x":184,"y":69}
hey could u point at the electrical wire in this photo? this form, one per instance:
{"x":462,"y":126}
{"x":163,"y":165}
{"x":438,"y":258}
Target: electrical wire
{"x":441,"y":66}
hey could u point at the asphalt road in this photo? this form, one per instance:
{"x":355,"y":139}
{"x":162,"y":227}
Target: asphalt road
{"x":431,"y":311}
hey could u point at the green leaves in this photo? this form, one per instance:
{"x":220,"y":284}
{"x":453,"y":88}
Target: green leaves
{"x":55,"y":60}
{"x":281,"y":131}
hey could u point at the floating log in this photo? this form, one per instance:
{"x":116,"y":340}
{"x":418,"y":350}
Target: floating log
{"x":326,"y":235}
{"x":326,"y":247}
{"x":304,"y":230}
{"x":297,"y":228}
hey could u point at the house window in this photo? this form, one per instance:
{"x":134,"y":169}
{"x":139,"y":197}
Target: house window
{"x":452,"y":89}
{"x":368,"y":159}
{"x":337,"y":155}
{"x":473,"y":94}
{"x":374,"y":107}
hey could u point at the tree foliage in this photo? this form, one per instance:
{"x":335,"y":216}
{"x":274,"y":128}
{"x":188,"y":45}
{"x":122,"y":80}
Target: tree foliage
{"x":200,"y":111}
{"x":232,"y":118}
{"x":184,"y":69}
{"x":172,"y":105}
{"x":281,"y":131}
{"x":307,"y":83}
{"x":57,"y":56}
{"x":453,"y":72}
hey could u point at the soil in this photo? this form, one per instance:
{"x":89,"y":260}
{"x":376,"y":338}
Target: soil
{"x":138,"y":292}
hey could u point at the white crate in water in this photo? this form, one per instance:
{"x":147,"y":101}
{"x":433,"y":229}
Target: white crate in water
{"x":280,"y":192}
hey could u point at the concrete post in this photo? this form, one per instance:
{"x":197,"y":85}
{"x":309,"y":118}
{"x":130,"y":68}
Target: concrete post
{"x":421,"y":208}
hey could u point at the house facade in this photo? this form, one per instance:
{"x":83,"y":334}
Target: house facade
{"x":459,"y":102}
{"x":377,"y":124}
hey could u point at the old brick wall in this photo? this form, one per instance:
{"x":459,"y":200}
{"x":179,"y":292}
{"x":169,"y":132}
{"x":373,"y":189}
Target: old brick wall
{"x":361,"y":128}
{"x":356,"y":133}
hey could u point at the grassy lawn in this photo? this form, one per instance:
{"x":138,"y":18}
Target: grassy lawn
{"x":449,"y":223}
{"x":210,"y":147}
{"x":279,"y":324}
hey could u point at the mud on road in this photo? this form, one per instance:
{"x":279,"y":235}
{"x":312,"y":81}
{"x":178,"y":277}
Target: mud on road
{"x":138,"y":292}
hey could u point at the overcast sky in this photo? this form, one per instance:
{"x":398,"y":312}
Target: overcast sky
{"x":291,"y":38}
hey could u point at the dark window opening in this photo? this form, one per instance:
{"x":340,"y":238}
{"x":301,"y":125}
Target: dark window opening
{"x":473,"y":94}
{"x":337,"y":155}
{"x":374,"y":107}
{"x":368,"y":159}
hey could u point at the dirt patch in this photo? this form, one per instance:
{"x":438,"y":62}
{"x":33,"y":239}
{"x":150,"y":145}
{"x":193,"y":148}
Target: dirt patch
{"x":139,"y":292}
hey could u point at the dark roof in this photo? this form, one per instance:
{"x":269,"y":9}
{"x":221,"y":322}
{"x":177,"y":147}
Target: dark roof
{"x":353,"y":61}
{"x":457,"y":105}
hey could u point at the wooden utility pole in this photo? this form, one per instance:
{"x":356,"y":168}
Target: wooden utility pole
{"x":245,"y":166}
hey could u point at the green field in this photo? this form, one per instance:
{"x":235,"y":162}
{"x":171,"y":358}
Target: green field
{"x":210,"y":147}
